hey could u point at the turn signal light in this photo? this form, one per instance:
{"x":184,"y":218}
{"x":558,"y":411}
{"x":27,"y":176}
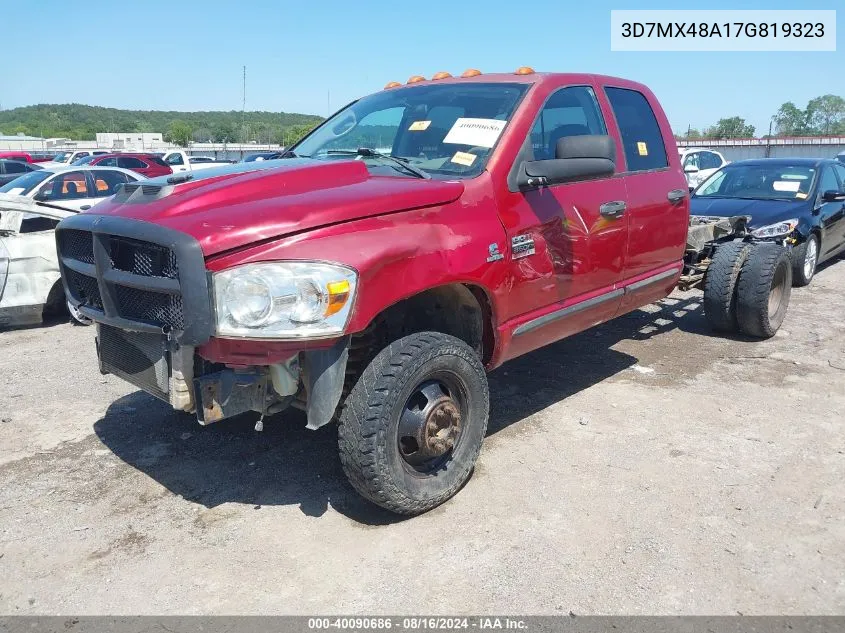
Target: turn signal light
{"x":442,"y":75}
{"x":471,"y":72}
{"x":524,"y":70}
{"x":416,"y":79}
{"x":392,"y":84}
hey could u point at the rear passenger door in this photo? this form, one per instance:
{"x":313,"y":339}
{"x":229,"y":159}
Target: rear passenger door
{"x":657,"y":197}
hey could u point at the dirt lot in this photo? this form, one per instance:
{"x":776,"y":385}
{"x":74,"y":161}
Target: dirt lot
{"x":646,"y":466}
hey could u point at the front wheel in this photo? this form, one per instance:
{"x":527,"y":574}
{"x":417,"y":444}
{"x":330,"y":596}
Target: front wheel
{"x":412,"y":426}
{"x":805,"y":257}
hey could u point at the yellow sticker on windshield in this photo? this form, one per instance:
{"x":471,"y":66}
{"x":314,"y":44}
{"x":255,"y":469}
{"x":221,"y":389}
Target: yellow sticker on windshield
{"x":419,"y":126}
{"x":800,"y":195}
{"x":463,"y":158}
{"x":642,"y":148}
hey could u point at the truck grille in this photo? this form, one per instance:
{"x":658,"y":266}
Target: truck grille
{"x":137,"y":357}
{"x":136,"y":276}
{"x":85,"y":289}
{"x":151,"y":307}
{"x":143,"y":258}
{"x":78,"y":245}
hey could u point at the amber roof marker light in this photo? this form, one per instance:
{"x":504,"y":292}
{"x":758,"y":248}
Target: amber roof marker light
{"x":471,"y":72}
{"x":392,"y":84}
{"x":524,"y":70}
{"x":415,"y":79}
{"x":442,"y":75}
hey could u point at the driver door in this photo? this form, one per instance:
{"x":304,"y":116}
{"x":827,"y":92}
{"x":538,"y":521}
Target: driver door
{"x":568,"y":241}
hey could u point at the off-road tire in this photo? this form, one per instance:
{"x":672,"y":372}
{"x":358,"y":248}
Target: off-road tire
{"x":766,"y":276}
{"x":798,"y":255}
{"x":720,"y":284}
{"x":369,"y":421}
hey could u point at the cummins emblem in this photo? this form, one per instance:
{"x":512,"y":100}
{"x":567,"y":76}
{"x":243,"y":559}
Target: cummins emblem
{"x":494,"y":254}
{"x":522,"y":246}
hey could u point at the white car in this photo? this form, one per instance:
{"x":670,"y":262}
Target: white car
{"x":76,"y":188}
{"x":66,"y":158}
{"x":699,"y":163}
{"x":178,"y":161}
{"x":30,"y":208}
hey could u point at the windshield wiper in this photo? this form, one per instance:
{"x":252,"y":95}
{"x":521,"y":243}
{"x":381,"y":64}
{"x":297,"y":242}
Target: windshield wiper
{"x":367,"y":152}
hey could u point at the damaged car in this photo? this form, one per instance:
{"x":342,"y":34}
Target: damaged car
{"x":30,"y":282}
{"x":798,"y":203}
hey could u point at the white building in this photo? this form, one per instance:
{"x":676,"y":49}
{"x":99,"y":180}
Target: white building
{"x":129,"y":140}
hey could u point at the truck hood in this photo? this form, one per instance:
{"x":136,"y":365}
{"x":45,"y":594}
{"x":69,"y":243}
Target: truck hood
{"x":762,"y":212}
{"x":229,"y":207}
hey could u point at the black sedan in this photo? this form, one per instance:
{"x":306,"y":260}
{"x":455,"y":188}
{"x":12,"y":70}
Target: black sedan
{"x":11,"y":169}
{"x":796,"y":202}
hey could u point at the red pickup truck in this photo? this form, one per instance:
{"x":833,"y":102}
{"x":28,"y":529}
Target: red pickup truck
{"x":419,"y":237}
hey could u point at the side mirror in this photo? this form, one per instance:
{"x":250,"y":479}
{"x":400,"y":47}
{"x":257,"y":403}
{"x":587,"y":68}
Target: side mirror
{"x":831,"y":195}
{"x":41,"y":196}
{"x":576,"y":158}
{"x":691,"y":169}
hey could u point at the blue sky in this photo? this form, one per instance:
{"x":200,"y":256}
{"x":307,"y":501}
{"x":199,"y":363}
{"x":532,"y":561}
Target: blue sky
{"x":188,"y":54}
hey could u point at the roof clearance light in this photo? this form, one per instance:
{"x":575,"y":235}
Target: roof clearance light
{"x":442,"y":75}
{"x":392,"y":84}
{"x":416,"y":79}
{"x":524,"y":70}
{"x":471,"y":72}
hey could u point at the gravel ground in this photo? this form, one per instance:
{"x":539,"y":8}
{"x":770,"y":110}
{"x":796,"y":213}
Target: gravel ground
{"x":644,"y":466}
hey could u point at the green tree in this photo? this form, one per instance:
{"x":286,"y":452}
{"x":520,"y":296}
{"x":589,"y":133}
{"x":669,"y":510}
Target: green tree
{"x":791,"y":120}
{"x":179,"y":133}
{"x":826,"y":114}
{"x":732,"y":127}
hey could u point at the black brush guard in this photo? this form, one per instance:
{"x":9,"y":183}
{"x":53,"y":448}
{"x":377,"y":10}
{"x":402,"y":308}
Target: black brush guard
{"x":145,"y":285}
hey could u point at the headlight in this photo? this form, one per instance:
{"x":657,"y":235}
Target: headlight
{"x":776,"y":230}
{"x":284,"y":300}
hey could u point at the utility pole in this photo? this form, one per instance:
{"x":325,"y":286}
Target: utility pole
{"x":243,"y":110}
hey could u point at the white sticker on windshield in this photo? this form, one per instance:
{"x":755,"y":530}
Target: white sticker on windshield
{"x":475,"y":132}
{"x":786,"y":185}
{"x":15,"y":191}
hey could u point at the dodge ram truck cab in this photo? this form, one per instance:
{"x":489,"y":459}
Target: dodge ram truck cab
{"x":418,"y":238}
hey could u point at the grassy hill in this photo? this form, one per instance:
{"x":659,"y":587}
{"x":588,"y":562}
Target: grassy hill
{"x":82,"y":122}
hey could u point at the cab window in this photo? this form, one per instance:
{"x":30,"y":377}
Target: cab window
{"x":111,"y":161}
{"x":692,"y":160}
{"x":641,"y":136}
{"x":709,"y":160}
{"x":570,"y":111}
{"x":67,"y":186}
{"x":175,"y":159}
{"x":828,"y":181}
{"x":130,"y":162}
{"x":107,"y":182}
{"x":840,"y":170}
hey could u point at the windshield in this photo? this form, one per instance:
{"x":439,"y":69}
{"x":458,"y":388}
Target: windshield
{"x":447,"y":130}
{"x":61,"y":157}
{"x":759,"y":182}
{"x":22,"y":185}
{"x":84,"y":160}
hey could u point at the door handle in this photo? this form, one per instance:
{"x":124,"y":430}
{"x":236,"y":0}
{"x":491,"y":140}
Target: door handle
{"x":676,"y":195}
{"x":615,"y":209}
